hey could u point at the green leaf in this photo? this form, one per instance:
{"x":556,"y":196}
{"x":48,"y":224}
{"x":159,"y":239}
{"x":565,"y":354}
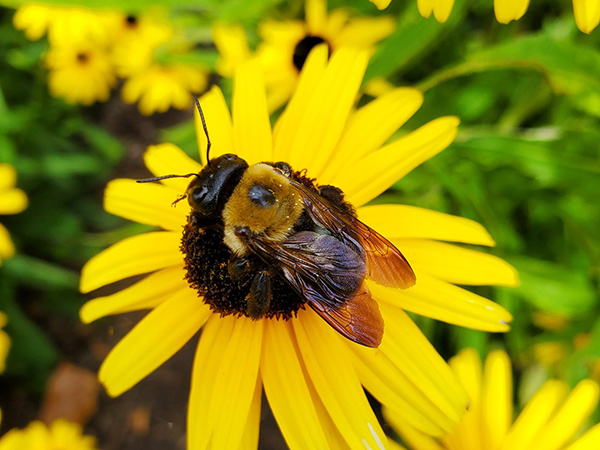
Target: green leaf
{"x":35,"y":272}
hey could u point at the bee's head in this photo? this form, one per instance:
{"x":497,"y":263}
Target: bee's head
{"x":208,"y":193}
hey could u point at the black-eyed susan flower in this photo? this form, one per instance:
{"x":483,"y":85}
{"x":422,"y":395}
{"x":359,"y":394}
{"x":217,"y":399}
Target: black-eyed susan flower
{"x":313,"y":377}
{"x":549,"y":421}
{"x":60,"y":435}
{"x":80,"y":72}
{"x":286,"y":44}
{"x":12,"y":201}
{"x":587,"y":12}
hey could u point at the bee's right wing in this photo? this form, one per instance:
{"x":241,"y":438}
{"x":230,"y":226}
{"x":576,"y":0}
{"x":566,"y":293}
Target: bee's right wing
{"x":330,"y":275}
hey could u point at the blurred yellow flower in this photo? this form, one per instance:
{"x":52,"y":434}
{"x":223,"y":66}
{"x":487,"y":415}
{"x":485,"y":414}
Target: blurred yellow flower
{"x":550,"y":353}
{"x":160,"y":87}
{"x":80,"y":72}
{"x":4,"y":342}
{"x":313,"y":377}
{"x":286,"y":44}
{"x":549,"y":421}
{"x":587,"y":12}
{"x":12,"y":201}
{"x":60,"y":435}
{"x":64,"y":24}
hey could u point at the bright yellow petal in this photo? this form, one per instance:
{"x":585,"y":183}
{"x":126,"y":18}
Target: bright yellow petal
{"x":145,"y":294}
{"x":535,"y":415}
{"x":286,"y":127}
{"x":316,"y":16}
{"x":132,"y":256}
{"x":408,"y":376}
{"x":569,"y":419}
{"x":363,"y":32}
{"x":456,"y":264}
{"x":8,"y":177}
{"x":168,"y":159}
{"x":381,"y":4}
{"x":370,"y":176}
{"x":7,"y":248}
{"x":587,"y":14}
{"x":443,"y":301}
{"x":12,"y":201}
{"x":285,"y":385}
{"x":224,"y":382}
{"x":324,"y":354}
{"x":368,"y":128}
{"x":507,"y":10}
{"x":403,"y":221}
{"x":218,"y":123}
{"x":148,"y":203}
{"x":590,"y":440}
{"x":251,"y":432}
{"x":232,"y":43}
{"x":441,"y":8}
{"x":328,"y":106}
{"x":415,"y":439}
{"x":251,"y":124}
{"x":496,"y":398}
{"x":151,"y":342}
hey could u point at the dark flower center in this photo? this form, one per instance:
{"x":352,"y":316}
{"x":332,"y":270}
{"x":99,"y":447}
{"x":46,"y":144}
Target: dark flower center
{"x":207,"y":263}
{"x":304,"y":47}
{"x":82,"y":57}
{"x":131,"y":21}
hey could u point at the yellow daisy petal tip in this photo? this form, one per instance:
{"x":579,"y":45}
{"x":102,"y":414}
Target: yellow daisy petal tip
{"x":508,"y":10}
{"x":381,"y":4}
{"x":587,"y":14}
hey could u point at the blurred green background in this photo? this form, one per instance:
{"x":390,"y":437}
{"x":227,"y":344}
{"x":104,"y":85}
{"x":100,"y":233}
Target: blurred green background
{"x":525,"y":164}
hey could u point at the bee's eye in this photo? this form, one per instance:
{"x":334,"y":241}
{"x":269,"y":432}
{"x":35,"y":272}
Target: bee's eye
{"x":261,"y":196}
{"x":198,"y":196}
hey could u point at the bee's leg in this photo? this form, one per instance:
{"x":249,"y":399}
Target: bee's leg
{"x":259,"y":298}
{"x":240,"y":267}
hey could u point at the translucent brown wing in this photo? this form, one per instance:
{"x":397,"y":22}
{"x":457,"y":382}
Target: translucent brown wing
{"x":385,"y":264}
{"x":329,"y":275}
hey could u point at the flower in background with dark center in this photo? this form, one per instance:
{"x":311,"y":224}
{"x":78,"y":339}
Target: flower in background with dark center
{"x":60,"y":435}
{"x":285,"y":45}
{"x":12,"y":201}
{"x":550,"y":420}
{"x":312,"y":376}
{"x":587,"y":12}
{"x":80,"y":72}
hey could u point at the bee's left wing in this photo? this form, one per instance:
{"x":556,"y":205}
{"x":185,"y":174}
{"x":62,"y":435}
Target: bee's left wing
{"x":330,"y":275}
{"x":385,"y":263}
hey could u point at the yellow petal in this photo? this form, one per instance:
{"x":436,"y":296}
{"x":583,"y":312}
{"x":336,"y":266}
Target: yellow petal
{"x":535,"y":415}
{"x":381,"y":4}
{"x":507,"y":10}
{"x":327,"y":108}
{"x":403,"y":221}
{"x":370,"y":176}
{"x":251,"y":124}
{"x":569,"y":419}
{"x":285,"y":385}
{"x":587,"y":14}
{"x":467,"y":367}
{"x":496,"y":398}
{"x":590,"y":440}
{"x":411,"y":436}
{"x":232,"y":43}
{"x":363,"y":32}
{"x":148,"y":203}
{"x":145,"y":294}
{"x":455,"y":264}
{"x":324,"y":354}
{"x":286,"y":127}
{"x":316,"y":16}
{"x":251,"y":432}
{"x":368,"y":128}
{"x":7,"y":248}
{"x":132,"y":256}
{"x":12,"y":201}
{"x":441,"y":8}
{"x":218,"y":123}
{"x":167,"y":159}
{"x":152,"y":341}
{"x":443,"y":301}
{"x":224,"y":382}
{"x":8,"y":177}
{"x":408,"y":376}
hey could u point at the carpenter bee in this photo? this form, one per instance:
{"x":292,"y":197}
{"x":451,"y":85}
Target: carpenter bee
{"x":280,"y":232}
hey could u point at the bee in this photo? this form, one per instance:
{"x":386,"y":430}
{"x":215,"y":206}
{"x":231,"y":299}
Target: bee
{"x":279,"y":228}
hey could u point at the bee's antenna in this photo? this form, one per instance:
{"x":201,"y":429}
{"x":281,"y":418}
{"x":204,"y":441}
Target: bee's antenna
{"x":205,"y":131}
{"x":164,"y":177}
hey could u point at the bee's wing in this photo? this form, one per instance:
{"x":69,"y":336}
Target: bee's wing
{"x":330,"y":275}
{"x":385,"y":264}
